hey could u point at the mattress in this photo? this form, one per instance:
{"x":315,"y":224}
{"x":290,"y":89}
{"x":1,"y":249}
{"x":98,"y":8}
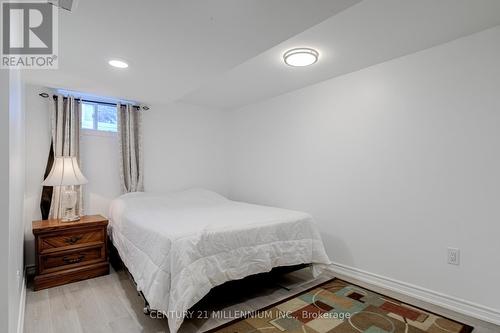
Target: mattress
{"x":179,"y":245}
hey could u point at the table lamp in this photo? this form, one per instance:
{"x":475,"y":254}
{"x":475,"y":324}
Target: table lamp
{"x":65,"y":172}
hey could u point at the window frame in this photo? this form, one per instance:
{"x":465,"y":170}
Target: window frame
{"x":95,"y":131}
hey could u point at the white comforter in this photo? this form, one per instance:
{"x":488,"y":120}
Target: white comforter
{"x":178,"y":246}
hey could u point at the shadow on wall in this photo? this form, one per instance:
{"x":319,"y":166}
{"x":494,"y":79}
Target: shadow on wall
{"x":32,"y":209}
{"x":337,"y":248}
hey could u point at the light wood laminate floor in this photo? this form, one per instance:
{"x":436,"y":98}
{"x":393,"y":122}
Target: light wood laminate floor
{"x":111,"y":304}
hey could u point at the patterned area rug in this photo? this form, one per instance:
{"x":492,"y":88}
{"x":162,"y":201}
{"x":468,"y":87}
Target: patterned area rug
{"x":339,"y":307}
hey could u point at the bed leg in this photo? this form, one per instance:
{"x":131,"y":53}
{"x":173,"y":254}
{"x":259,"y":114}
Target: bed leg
{"x":147,"y":308}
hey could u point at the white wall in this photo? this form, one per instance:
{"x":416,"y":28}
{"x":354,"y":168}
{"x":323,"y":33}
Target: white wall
{"x":37,"y":138}
{"x":11,"y":198}
{"x":99,"y":163}
{"x":4,"y":200}
{"x":183,"y":147}
{"x":17,"y":178}
{"x":16,"y":197}
{"x":396,"y":162}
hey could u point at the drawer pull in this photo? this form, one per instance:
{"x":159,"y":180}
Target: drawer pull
{"x":68,"y":260}
{"x":73,"y":240}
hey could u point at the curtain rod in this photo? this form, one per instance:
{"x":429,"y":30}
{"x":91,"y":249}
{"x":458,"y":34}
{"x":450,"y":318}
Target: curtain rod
{"x":45,"y":95}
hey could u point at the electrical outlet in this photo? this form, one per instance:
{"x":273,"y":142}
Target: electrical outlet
{"x":453,"y":256}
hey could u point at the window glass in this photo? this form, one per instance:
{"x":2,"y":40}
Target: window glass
{"x":88,"y":115}
{"x":99,"y":117}
{"x":106,"y":118}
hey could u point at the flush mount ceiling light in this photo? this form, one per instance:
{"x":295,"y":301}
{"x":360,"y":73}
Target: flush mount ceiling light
{"x":118,"y":63}
{"x":300,"y":57}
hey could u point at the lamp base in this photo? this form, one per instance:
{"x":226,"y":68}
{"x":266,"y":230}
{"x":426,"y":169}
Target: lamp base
{"x":73,"y":218}
{"x":69,"y":199}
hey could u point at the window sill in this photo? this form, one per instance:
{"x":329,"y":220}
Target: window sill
{"x":92,"y":132}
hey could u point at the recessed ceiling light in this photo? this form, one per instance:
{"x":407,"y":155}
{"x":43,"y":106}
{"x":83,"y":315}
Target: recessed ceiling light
{"x":300,"y":57}
{"x":118,"y":63}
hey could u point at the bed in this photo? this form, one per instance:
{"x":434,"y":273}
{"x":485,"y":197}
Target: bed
{"x":178,"y":246}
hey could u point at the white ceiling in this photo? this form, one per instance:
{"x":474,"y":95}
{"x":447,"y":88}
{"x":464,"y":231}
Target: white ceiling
{"x":227,"y":53}
{"x":365,"y":34}
{"x":173,"y":47}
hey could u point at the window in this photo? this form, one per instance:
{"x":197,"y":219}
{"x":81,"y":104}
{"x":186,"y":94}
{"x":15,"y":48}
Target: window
{"x":99,"y":117}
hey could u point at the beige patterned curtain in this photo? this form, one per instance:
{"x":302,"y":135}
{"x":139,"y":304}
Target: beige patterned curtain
{"x":65,"y":115}
{"x":130,"y":134}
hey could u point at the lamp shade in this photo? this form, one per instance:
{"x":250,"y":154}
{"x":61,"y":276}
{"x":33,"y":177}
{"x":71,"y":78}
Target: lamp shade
{"x":65,"y":171}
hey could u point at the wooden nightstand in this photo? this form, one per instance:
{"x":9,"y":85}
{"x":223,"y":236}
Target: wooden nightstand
{"x":70,"y":251}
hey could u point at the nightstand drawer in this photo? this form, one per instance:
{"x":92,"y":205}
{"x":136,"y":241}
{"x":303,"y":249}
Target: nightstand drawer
{"x":71,"y":238}
{"x":69,"y":259}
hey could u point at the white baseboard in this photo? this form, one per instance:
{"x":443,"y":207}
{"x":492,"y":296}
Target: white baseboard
{"x":22,"y":306}
{"x":433,"y":297}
